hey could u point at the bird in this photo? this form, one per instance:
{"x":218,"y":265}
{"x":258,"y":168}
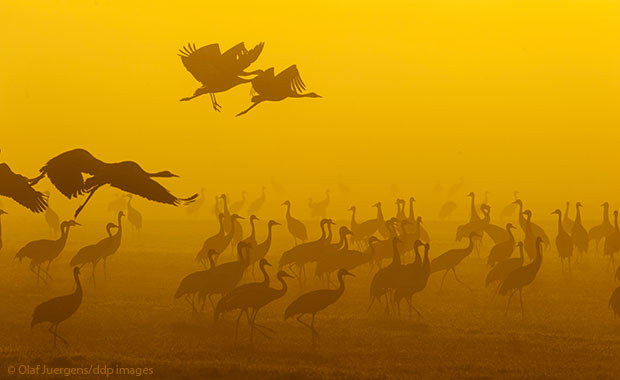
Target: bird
{"x":236,"y":207}
{"x":260,"y":251}
{"x":529,"y":241}
{"x":218,"y":242}
{"x":502,"y":269}
{"x":362,"y":231}
{"x":192,"y":283}
{"x":567,"y":221}
{"x":473,"y":214}
{"x":416,"y":279}
{"x":611,"y":244}
{"x":258,"y":203}
{"x":117,"y":204}
{"x":502,"y":251}
{"x":496,"y":233}
{"x":113,"y":243}
{"x":450,"y":259}
{"x":510,"y":208}
{"x":319,"y":209}
{"x":424,"y":236}
{"x":19,"y":188}
{"x":40,"y":251}
{"x":251,"y":299}
{"x":578,"y":233}
{"x":251,"y":240}
{"x":218,"y":72}
{"x":267,"y":86}
{"x":447,"y":209}
{"x":382,"y":228}
{"x":231,"y":226}
{"x":601,"y":231}
{"x":133,"y":216}
{"x":614,"y":302}
{"x":51,"y":217}
{"x":2,"y":212}
{"x":295,"y":226}
{"x":92,"y":253}
{"x":536,"y":229}
{"x":563,"y":242}
{"x":315,"y":301}
{"x":521,"y":277}
{"x":386,"y":279}
{"x":65,"y":172}
{"x":59,"y":309}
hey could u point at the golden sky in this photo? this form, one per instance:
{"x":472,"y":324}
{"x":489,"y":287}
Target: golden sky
{"x":504,"y":94}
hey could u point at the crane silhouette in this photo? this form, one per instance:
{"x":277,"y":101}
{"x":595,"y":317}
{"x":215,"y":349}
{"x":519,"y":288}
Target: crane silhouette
{"x":579,"y":234}
{"x":133,"y":216}
{"x":601,"y":231}
{"x":19,"y":188}
{"x":51,"y":217}
{"x":218,"y":72}
{"x":251,"y":240}
{"x":193,"y":282}
{"x":449,"y":260}
{"x":315,"y":301}
{"x":2,"y":212}
{"x":93,"y":253}
{"x":59,"y":309}
{"x":416,"y":279}
{"x":65,"y":172}
{"x":260,"y":251}
{"x":40,"y":251}
{"x":258,"y":203}
{"x":614,"y":302}
{"x":502,"y":251}
{"x":270,"y":87}
{"x":319,"y":209}
{"x":563,"y":242}
{"x":238,"y":205}
{"x":387,"y":278}
{"x":502,"y":269}
{"x":295,"y":226}
{"x":521,"y":277}
{"x":611,"y":244}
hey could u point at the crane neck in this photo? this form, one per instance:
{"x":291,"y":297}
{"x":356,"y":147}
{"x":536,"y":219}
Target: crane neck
{"x":353,"y":216}
{"x":395,"y":254}
{"x":411,"y":214}
{"x":606,"y":214}
{"x":253,"y":234}
{"x":78,"y":285}
{"x":578,"y":216}
{"x":560,"y":227}
{"x":284,"y":288}
{"x":265,"y":275}
{"x":211,"y":260}
{"x":380,"y":213}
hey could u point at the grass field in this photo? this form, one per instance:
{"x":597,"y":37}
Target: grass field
{"x":131,"y":319}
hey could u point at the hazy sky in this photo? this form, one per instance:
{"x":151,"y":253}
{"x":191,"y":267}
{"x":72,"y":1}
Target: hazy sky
{"x":505,"y":94}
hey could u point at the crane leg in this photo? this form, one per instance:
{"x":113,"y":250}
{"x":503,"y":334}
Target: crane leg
{"x":508,"y":304}
{"x":461,"y":282}
{"x":521,"y":302}
{"x":443,"y":279}
{"x":91,"y":192}
{"x":237,"y":324}
{"x":105,"y":272}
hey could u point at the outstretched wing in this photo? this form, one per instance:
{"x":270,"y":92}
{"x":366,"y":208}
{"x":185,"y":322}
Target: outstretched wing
{"x":291,"y":79}
{"x":134,"y":180}
{"x":16,"y":187}
{"x":65,"y":171}
{"x":201,"y":63}
{"x":237,"y":58}
{"x":263,"y":81}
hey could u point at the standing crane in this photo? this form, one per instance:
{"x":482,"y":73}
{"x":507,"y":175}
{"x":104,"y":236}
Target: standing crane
{"x":315,"y":301}
{"x":295,"y":226}
{"x":563,"y":242}
{"x":65,"y":172}
{"x":133,"y":216}
{"x":59,"y":309}
{"x":521,"y":277}
{"x":92,"y":253}
{"x":449,"y":260}
{"x":270,"y":87}
{"x":218,"y":72}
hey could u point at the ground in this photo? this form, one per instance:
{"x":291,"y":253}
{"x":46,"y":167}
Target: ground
{"x":131,"y":319}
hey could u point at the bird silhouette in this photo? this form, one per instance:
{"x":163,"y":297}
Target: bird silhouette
{"x":251,"y":240}
{"x":502,"y":269}
{"x":473,"y":214}
{"x":386,"y":279}
{"x":112,"y":244}
{"x":614,"y":302}
{"x":567,"y":221}
{"x":382,"y":226}
{"x":450,"y":259}
{"x":65,"y":172}
{"x":295,"y":226}
{"x":236,"y":207}
{"x":19,"y":188}
{"x":194,"y":282}
{"x":41,"y":251}
{"x":256,"y":205}
{"x":218,"y":242}
{"x":2,"y":212}
{"x":563,"y":242}
{"x":601,"y":231}
{"x":232,"y":226}
{"x":536,"y":229}
{"x":502,"y":251}
{"x":510,"y":209}
{"x":362,"y":231}
{"x":315,"y":301}
{"x":447,"y":209}
{"x":59,"y":309}
{"x":260,"y":251}
{"x":496,"y":233}
{"x":611,"y":244}
{"x":93,"y":253}
{"x":578,"y":233}
{"x":270,"y":87}
{"x":51,"y":218}
{"x":218,"y":72}
{"x":415,"y":280}
{"x":133,"y":216}
{"x":521,"y":277}
{"x":424,"y":236}
{"x":319,"y":209}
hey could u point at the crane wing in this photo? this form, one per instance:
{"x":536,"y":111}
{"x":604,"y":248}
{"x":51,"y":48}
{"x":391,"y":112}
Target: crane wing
{"x":65,"y":171}
{"x":291,"y":79}
{"x":16,"y":187}
{"x":202,"y":62}
{"x":261,"y":83}
{"x":238,"y":57}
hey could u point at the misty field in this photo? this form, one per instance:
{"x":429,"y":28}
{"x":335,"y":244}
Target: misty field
{"x":131,"y":320}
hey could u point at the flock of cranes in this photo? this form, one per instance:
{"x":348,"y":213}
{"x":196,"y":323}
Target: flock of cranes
{"x":336,"y":253}
{"x":219,"y":72}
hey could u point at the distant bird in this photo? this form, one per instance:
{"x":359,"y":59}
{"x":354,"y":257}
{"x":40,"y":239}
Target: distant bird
{"x":472,"y":209}
{"x":601,"y":231}
{"x":113,"y":243}
{"x":65,"y":172}
{"x":579,"y":234}
{"x":502,"y":269}
{"x":133,"y":215}
{"x":271,"y":87}
{"x":59,"y":309}
{"x":521,"y":277}
{"x":510,"y":209}
{"x":218,"y":72}
{"x":2,"y":212}
{"x":567,"y":221}
{"x":19,"y":189}
{"x":502,"y":251}
{"x":447,"y":209}
{"x":41,"y":251}
{"x":315,"y":301}
{"x":231,"y":226}
{"x":197,"y":205}
{"x":611,"y":244}
{"x":614,"y":302}
{"x":51,"y":218}
{"x":92,"y":253}
{"x":258,"y":203}
{"x":450,"y":259}
{"x":295,"y":226}
{"x":117,"y":204}
{"x":563,"y":242}
{"x":319,"y":209}
{"x":236,"y":207}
